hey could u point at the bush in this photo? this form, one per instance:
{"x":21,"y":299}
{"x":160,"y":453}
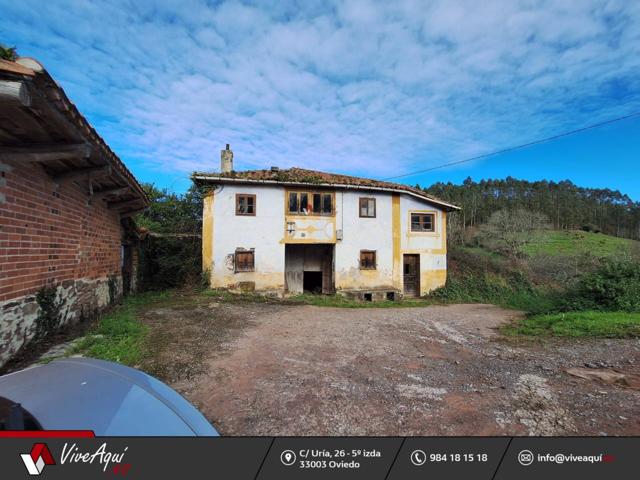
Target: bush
{"x":615,"y":286}
{"x":489,"y":278}
{"x":8,"y":53}
{"x":170,"y":262}
{"x":561,"y":271}
{"x":590,"y":227}
{"x":513,"y":291}
{"x":507,"y":231}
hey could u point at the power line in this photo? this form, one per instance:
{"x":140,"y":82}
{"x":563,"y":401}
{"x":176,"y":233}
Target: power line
{"x":518,"y":147}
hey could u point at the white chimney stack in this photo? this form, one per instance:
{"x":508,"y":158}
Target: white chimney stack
{"x":226,"y":160}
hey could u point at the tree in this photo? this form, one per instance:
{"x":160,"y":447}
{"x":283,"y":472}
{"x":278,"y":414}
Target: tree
{"x":170,"y":212}
{"x":569,"y":206}
{"x":171,"y":252}
{"x":509,"y":230}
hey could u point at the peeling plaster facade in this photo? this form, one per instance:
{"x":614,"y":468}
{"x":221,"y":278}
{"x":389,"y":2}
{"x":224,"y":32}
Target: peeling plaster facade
{"x":272,"y":229}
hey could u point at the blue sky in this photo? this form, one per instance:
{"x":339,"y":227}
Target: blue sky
{"x":360,"y":87}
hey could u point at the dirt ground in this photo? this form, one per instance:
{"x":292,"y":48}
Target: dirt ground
{"x":270,"y":369}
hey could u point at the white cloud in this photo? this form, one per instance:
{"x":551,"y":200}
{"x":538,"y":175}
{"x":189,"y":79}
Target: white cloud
{"x":360,"y":86}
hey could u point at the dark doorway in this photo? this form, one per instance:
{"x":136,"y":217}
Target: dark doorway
{"x":309,"y":268}
{"x":127,"y":268}
{"x":312,"y":282}
{"x":411,"y":269}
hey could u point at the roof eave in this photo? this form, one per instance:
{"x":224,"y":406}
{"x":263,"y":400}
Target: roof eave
{"x":32,"y":72}
{"x":223,"y":179}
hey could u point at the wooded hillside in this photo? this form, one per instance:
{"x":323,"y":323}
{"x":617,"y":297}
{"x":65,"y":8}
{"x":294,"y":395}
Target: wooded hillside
{"x":565,"y":204}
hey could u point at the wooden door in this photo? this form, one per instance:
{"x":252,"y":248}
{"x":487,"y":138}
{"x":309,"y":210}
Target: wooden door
{"x":293,"y":268}
{"x":327,"y":270}
{"x":411,"y":269}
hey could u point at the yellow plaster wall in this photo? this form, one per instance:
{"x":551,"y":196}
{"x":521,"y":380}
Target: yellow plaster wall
{"x":207,"y":234}
{"x":396,"y":226}
{"x":354,"y":279}
{"x":431,"y":279}
{"x":263,"y":281}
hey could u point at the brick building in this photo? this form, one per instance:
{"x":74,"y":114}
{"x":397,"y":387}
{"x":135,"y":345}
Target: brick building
{"x":66,"y":202}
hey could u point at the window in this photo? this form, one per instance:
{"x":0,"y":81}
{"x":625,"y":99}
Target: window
{"x":244,"y":261}
{"x":367,"y":207}
{"x":245,"y":204}
{"x":310,"y":203}
{"x":367,"y":259}
{"x":293,"y":203}
{"x":423,"y":222}
{"x":327,"y":204}
{"x":304,"y":203}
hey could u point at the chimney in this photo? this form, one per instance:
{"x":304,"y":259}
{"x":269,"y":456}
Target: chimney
{"x":226,"y":160}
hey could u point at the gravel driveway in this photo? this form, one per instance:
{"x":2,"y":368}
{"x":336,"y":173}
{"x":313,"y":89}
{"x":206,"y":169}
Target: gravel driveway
{"x":257,"y":369}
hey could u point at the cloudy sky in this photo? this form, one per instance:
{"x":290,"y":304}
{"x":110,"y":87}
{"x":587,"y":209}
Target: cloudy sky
{"x":369,"y":88}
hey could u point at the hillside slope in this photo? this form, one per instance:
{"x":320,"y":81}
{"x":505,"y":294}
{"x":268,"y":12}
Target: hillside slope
{"x":576,"y":242}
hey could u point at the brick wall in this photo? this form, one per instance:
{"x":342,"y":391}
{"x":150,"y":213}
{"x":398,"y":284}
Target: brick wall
{"x":51,"y":236}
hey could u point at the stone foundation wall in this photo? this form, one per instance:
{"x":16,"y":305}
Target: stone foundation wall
{"x":78,"y":299}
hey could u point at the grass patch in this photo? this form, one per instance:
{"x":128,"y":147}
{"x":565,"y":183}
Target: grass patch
{"x":119,"y":336}
{"x":576,"y":242}
{"x":481,"y":252}
{"x":338,"y":301}
{"x":343,"y":302}
{"x":226,"y":296}
{"x":579,"y":324}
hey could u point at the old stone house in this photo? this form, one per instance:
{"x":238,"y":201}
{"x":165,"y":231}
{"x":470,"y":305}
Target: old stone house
{"x":295,"y":230}
{"x":66,"y":202}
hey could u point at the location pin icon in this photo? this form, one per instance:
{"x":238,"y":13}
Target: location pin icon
{"x":288,"y":457}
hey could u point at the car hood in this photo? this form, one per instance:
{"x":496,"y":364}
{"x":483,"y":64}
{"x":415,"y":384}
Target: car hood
{"x":106,"y":397}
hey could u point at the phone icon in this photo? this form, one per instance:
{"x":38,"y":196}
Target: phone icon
{"x":418,"y":457}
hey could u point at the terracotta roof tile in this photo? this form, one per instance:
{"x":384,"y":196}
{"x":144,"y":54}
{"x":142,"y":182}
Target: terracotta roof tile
{"x":14,"y":67}
{"x":313,"y":177}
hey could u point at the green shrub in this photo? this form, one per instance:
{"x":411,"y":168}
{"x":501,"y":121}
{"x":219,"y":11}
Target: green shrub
{"x":615,"y":286}
{"x":513,"y":292}
{"x":8,"y":53}
{"x":590,"y":227}
{"x":478,"y":277}
{"x":170,"y":262}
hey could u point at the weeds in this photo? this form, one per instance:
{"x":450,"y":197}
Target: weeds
{"x":593,"y":301}
{"x":579,"y":324}
{"x":119,"y":336}
{"x":50,"y":313}
{"x":343,"y":302}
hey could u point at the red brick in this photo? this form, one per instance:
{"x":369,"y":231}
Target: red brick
{"x":83,"y":240}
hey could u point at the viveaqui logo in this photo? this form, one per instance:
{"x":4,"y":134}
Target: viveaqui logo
{"x":36,"y":460}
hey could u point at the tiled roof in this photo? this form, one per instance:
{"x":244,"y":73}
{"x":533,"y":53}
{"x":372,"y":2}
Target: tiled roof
{"x":38,"y":79}
{"x":14,"y":67}
{"x":301,"y":176}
